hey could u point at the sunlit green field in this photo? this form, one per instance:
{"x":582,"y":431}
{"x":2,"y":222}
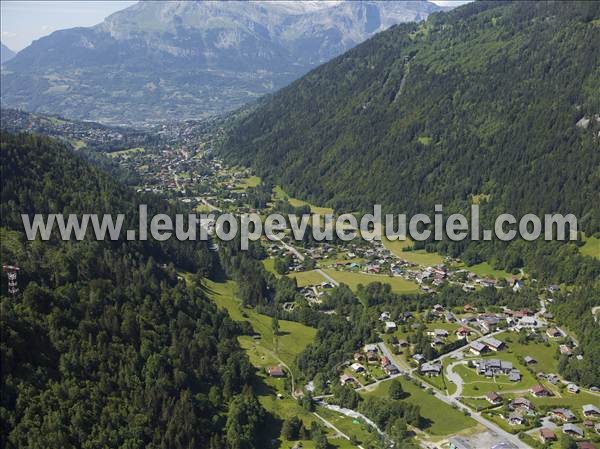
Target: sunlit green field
{"x":399,"y":285}
{"x":281,"y":195}
{"x":293,"y":338}
{"x":591,"y":247}
{"x":304,"y":278}
{"x":419,"y":257}
{"x":443,"y":419}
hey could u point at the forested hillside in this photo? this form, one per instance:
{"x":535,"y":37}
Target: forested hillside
{"x":105,"y":346}
{"x":481,"y":101}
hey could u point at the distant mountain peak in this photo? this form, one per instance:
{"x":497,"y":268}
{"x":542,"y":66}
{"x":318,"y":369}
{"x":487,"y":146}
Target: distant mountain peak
{"x":187,"y":60}
{"x":6,"y":54}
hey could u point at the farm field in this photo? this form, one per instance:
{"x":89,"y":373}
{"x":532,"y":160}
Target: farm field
{"x":399,"y":285}
{"x":443,"y":419}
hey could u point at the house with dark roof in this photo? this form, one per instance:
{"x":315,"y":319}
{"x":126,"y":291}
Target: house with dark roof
{"x":493,"y":398}
{"x":539,"y":391}
{"x":572,"y":430}
{"x":563,"y":414}
{"x":547,"y":435}
{"x":591,"y":411}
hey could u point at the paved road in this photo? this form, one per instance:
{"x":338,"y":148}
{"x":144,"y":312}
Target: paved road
{"x":326,"y":276}
{"x":494,"y":429}
{"x":455,"y":378}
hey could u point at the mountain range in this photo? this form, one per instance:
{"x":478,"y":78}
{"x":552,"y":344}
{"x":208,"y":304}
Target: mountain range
{"x":178,"y":60}
{"x":6,"y":54}
{"x":493,"y":102}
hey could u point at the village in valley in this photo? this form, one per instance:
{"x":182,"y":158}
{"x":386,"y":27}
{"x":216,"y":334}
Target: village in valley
{"x":484,"y":376}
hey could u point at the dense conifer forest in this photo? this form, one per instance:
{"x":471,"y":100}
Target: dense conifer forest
{"x":106,"y":346}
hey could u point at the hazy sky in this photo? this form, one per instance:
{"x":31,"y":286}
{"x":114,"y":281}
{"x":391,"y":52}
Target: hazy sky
{"x":24,"y":21}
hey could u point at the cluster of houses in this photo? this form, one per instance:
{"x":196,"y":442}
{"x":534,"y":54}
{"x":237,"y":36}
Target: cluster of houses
{"x":485,"y":346}
{"x":570,"y":427}
{"x":369,"y":356}
{"x":495,"y":367}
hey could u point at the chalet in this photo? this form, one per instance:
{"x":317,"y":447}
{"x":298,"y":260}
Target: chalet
{"x":276,"y":371}
{"x":478,"y":348}
{"x":371,"y":347}
{"x":450,"y":317}
{"x":514,"y":376}
{"x":439,"y":333}
{"x":494,"y":344}
{"x":547,"y":435}
{"x":391,"y":369}
{"x":563,"y":414}
{"x":565,"y":350}
{"x":462,"y":332}
{"x":493,"y":398}
{"x":390,"y":326}
{"x":372,"y":357}
{"x":553,"y":332}
{"x":437,"y":342}
{"x":385,"y":316}
{"x":492,"y":367}
{"x":431,"y":369}
{"x":488,"y":323}
{"x":520,"y":404}
{"x":357,"y":368}
{"x":572,"y":430}
{"x":418,"y":358}
{"x":518,"y":285}
{"x":347,"y":380}
{"x":402,"y":343}
{"x":529,"y":360}
{"x":468,"y":308}
{"x":515,"y":419}
{"x":385,"y":361}
{"x":553,"y":379}
{"x":591,"y":411}
{"x":539,"y":391}
{"x":358,"y":357}
{"x":528,"y":321}
{"x":572,"y":388}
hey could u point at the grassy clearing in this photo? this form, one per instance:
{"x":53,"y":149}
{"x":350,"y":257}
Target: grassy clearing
{"x":442,"y":418}
{"x":127,"y":152}
{"x":591,"y":247}
{"x":249,"y":182}
{"x":485,"y":270}
{"x":281,"y":195}
{"x":304,"y":278}
{"x":476,"y":385}
{"x":269,"y":265}
{"x":293,"y":338}
{"x":543,"y":354}
{"x":399,"y":285}
{"x":419,"y":257}
{"x":569,"y":400}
